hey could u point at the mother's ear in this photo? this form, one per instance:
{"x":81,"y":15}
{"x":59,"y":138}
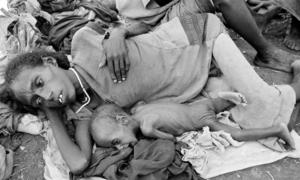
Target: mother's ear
{"x":49,"y":60}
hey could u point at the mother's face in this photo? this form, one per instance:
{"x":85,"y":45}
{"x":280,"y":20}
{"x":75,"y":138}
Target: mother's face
{"x":43,"y":86}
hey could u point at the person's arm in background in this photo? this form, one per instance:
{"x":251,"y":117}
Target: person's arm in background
{"x":77,"y":155}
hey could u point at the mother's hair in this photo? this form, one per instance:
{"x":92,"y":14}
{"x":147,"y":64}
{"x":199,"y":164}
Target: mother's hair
{"x":32,"y":59}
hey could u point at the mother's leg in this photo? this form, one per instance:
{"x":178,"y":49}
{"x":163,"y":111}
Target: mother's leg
{"x":267,"y":105}
{"x":265,"y":102}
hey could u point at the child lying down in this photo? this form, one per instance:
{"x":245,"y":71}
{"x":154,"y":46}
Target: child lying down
{"x":111,"y":126}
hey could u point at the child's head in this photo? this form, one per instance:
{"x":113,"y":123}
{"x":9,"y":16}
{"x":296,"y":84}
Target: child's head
{"x":112,"y":127}
{"x":39,"y":78}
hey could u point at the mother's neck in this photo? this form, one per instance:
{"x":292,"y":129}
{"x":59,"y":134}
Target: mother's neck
{"x":74,"y":79}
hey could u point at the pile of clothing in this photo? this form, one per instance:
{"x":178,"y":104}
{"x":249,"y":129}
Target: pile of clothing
{"x":51,"y":23}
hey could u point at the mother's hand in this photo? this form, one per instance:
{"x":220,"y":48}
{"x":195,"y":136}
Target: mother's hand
{"x":116,"y":53}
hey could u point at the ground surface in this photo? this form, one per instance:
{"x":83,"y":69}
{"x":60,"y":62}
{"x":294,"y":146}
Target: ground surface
{"x":28,"y":149}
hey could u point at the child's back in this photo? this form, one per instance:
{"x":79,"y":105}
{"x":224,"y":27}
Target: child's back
{"x":163,"y":120}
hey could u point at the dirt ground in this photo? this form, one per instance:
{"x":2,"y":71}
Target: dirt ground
{"x":28,"y":162}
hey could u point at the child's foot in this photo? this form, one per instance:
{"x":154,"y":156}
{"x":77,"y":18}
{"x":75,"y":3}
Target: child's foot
{"x":285,"y":135}
{"x":275,"y":58}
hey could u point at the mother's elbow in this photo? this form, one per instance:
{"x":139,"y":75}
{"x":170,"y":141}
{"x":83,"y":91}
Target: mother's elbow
{"x":80,"y":166}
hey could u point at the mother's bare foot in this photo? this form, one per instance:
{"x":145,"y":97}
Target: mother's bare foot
{"x":285,"y":135}
{"x":292,"y":39}
{"x":275,"y":58}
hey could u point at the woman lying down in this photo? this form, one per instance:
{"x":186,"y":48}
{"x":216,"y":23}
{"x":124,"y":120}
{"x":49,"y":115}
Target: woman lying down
{"x":167,"y":67}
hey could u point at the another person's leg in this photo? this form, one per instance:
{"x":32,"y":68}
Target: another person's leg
{"x":292,"y":39}
{"x":239,"y":18}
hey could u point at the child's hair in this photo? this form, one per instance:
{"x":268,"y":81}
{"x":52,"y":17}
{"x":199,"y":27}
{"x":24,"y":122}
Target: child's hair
{"x":107,"y":110}
{"x":32,"y":59}
{"x":106,"y":115}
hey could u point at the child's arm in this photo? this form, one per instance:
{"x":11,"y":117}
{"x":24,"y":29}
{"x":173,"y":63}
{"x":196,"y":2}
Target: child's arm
{"x":77,"y":156}
{"x":155,"y":133}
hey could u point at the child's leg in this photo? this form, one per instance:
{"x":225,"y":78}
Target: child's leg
{"x":279,"y":130}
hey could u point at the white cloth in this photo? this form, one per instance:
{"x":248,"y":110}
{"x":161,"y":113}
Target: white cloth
{"x":209,"y":161}
{"x":248,"y":155}
{"x":200,"y":142}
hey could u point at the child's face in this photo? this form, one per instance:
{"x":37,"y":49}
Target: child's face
{"x":44,"y":85}
{"x":115,"y":134}
{"x":122,"y":136}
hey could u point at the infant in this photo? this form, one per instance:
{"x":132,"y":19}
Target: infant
{"x":111,"y":126}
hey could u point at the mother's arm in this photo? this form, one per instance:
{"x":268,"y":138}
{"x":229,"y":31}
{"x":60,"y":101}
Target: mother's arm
{"x":77,"y":155}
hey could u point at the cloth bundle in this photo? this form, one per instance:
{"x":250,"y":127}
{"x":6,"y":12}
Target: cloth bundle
{"x":148,"y":159}
{"x":25,"y":36}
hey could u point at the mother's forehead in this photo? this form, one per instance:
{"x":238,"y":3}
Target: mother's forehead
{"x":23,"y":71}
